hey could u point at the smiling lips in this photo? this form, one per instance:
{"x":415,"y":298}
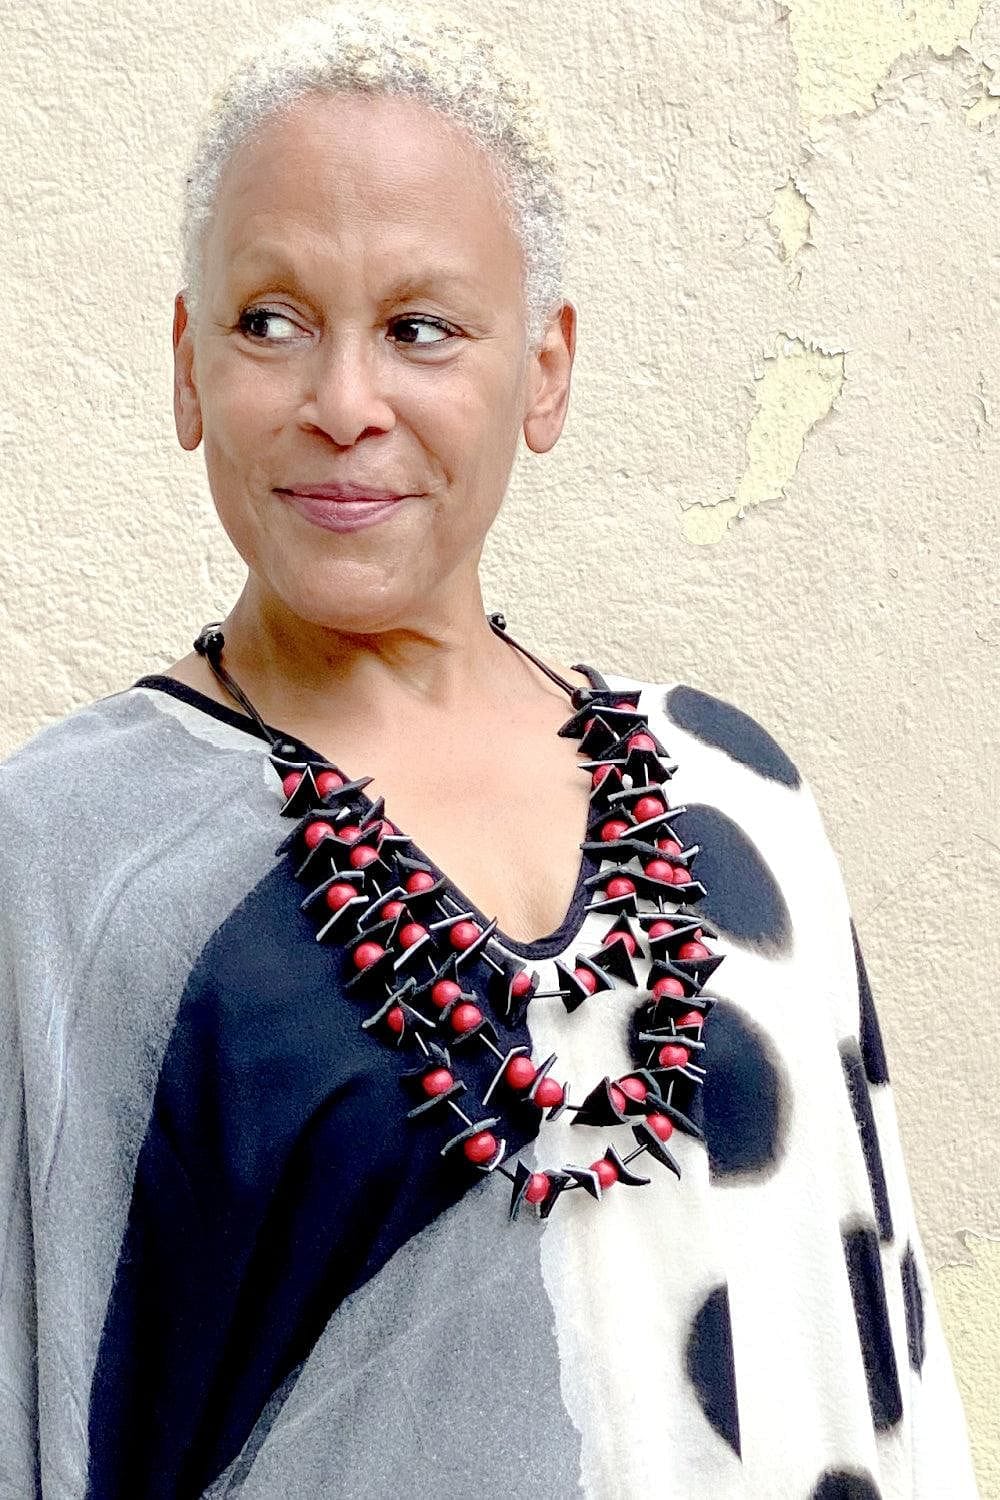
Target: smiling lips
{"x":341,"y":507}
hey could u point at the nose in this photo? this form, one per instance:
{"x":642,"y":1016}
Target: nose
{"x":346,"y":390}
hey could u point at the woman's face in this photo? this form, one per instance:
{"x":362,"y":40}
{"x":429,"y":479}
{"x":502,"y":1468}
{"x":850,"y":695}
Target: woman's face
{"x":362,"y":322}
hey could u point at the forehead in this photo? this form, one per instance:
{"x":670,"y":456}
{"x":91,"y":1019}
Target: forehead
{"x":377,"y":177}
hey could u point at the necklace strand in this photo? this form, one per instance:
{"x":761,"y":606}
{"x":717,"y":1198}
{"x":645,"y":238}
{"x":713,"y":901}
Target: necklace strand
{"x":407,"y":943}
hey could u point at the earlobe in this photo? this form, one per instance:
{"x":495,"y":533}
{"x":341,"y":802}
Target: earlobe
{"x":550,"y":379}
{"x":187,"y":409}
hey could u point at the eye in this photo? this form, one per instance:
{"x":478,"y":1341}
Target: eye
{"x":261,"y":315}
{"x":424,"y":322}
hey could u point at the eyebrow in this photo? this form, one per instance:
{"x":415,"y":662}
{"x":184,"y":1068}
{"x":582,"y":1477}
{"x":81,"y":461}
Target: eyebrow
{"x":274,"y":260}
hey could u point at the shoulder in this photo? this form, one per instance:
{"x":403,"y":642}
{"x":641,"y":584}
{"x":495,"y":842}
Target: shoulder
{"x":132,"y":759}
{"x":704,"y":719}
{"x":749,"y":798}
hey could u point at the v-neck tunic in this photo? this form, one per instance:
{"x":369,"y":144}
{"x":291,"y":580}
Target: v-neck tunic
{"x":233,"y":1267}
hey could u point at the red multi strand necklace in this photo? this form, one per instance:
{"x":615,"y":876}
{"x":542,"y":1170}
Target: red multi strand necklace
{"x":416,"y":956}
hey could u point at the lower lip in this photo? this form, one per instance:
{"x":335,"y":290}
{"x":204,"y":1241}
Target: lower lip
{"x":340,"y":515}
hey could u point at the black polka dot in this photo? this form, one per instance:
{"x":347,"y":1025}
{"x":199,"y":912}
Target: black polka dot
{"x":746,"y":1097}
{"x":864,"y":1270}
{"x":872,"y":1049}
{"x":861,"y":1104}
{"x":720,"y":724}
{"x":709,"y":1360}
{"x":913,"y":1305}
{"x":846,"y":1484}
{"x":743,"y":896}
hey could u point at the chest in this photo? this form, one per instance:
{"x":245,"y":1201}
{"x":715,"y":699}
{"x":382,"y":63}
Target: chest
{"x":504,"y":821}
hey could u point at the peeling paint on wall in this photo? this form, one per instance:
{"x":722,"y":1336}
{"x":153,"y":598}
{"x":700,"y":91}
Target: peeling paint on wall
{"x":987,"y":106}
{"x":789,"y":218}
{"x":845,"y":48}
{"x":796,"y":388}
{"x":967,"y":1298}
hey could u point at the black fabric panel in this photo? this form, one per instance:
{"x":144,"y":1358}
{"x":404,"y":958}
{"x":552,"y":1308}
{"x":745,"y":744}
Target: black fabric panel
{"x":872,"y":1050}
{"x":861,"y":1104}
{"x":718,"y":723}
{"x":746,"y":1099}
{"x":743,"y":896}
{"x":710,"y":1366}
{"x":864,"y":1269}
{"x":278,"y":1173}
{"x":913,"y":1304}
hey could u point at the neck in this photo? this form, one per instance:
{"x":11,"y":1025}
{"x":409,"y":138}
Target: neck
{"x":446,"y":656}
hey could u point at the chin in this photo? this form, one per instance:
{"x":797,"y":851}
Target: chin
{"x":348,"y":603}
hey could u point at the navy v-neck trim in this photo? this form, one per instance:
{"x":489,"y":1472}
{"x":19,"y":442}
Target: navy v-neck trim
{"x":548,"y":946}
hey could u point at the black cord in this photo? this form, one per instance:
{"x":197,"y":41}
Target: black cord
{"x":499,"y":624}
{"x":209,"y":645}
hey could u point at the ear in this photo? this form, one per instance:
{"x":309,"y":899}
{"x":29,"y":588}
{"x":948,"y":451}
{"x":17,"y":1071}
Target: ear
{"x":548,"y":381}
{"x":187,"y":408}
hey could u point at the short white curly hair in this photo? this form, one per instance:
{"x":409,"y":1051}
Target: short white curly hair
{"x":426,"y":55}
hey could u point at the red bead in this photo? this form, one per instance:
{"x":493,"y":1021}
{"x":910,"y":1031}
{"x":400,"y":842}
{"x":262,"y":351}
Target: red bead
{"x":620,"y":886}
{"x":329,"y":781}
{"x":649,"y":807}
{"x":617,"y":1098}
{"x":668,"y":985}
{"x":444,"y":992}
{"x":388,"y":827}
{"x":339,"y":894}
{"x":520,"y":984}
{"x":420,"y":880}
{"x":481,"y":1148}
{"x":393,"y":909}
{"x":693,"y":950}
{"x":607,"y":1172}
{"x":363,"y":855}
{"x":366,"y":954}
{"x":520,"y":1072}
{"x":587,"y":979}
{"x":623,"y":703}
{"x":615,"y":828}
{"x":661,"y":1125}
{"x":395,"y":1020}
{"x":549,"y":1093}
{"x":661,"y":929}
{"x":348,"y":831}
{"x":437,"y":1081}
{"x":621,"y":937}
{"x":600,"y":775}
{"x":635,"y":1088}
{"x":673,"y":1056}
{"x":465,"y":1017}
{"x":411,"y":933}
{"x":537,"y":1188}
{"x":588,"y":726}
{"x":463,"y":934}
{"x":316,"y":833}
{"x":689,"y":1018}
{"x":290,"y":782}
{"x":641,"y":742}
{"x":669,"y":846}
{"x":681,"y":875}
{"x":660,"y":869}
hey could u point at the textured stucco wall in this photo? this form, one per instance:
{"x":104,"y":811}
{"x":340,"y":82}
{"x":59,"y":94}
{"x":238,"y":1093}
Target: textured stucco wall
{"x":782,"y":455}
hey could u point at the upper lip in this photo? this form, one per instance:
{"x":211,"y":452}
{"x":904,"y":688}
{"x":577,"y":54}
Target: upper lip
{"x":343,"y":492}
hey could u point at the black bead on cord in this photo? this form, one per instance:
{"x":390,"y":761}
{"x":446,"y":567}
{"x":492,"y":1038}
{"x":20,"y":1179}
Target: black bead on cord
{"x":405,"y":941}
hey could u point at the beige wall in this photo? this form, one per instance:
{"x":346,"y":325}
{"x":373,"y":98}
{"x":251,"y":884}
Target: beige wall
{"x":782,"y":455}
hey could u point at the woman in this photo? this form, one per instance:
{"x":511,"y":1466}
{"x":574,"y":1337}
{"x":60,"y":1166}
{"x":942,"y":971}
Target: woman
{"x":441,"y":1151}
